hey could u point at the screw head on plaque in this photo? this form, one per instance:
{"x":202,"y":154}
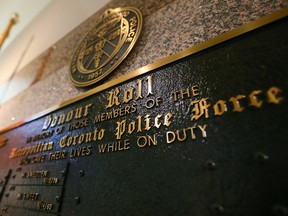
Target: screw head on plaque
{"x":105,"y":46}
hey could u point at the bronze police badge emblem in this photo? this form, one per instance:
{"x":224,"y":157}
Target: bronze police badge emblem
{"x":105,"y":46}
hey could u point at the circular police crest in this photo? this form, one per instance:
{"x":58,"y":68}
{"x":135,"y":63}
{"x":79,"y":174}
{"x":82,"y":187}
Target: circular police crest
{"x":105,"y":46}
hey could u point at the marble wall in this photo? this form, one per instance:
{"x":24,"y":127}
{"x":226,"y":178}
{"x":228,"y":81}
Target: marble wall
{"x":169,"y":26}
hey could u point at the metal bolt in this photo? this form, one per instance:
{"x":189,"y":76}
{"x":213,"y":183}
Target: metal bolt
{"x":19,"y":196}
{"x":217,"y":209}
{"x":260,"y":156}
{"x":81,"y":173}
{"x":210,"y":164}
{"x":77,"y":200}
{"x":19,"y":169}
{"x":63,"y":173}
{"x":280,"y":210}
{"x":57,"y":198}
{"x":12,"y":187}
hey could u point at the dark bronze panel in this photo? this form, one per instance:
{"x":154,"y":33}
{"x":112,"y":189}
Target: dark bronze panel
{"x":8,"y":211}
{"x":37,"y":198}
{"x":1,"y":190}
{"x":4,"y":177}
{"x":205,"y":135}
{"x":41,"y":175}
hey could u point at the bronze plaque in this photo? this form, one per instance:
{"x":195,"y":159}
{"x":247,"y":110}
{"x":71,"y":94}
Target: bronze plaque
{"x":105,"y":46}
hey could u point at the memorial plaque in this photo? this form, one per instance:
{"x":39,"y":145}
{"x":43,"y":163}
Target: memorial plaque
{"x":201,"y":134}
{"x":47,"y":174}
{"x":32,"y":198}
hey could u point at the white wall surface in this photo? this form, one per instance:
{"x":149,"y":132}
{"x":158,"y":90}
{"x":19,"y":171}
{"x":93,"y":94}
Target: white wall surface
{"x":27,"y":9}
{"x":50,"y":20}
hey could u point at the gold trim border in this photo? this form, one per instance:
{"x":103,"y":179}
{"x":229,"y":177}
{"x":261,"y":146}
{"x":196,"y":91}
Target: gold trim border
{"x":192,"y":50}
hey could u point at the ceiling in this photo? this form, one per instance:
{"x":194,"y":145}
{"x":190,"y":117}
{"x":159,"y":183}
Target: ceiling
{"x":27,"y":10}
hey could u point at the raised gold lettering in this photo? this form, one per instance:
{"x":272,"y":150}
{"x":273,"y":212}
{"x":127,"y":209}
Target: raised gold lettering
{"x":128,"y":95}
{"x":192,"y":132}
{"x":28,"y":196}
{"x":44,"y":206}
{"x":35,"y":174}
{"x":236,"y":104}
{"x":220,"y":107}
{"x":68,"y":117}
{"x":78,"y":139}
{"x":37,"y":137}
{"x":170,"y":137}
{"x":115,"y":98}
{"x":200,"y":108}
{"x":203,"y":130}
{"x":254,"y":100}
{"x":59,"y":155}
{"x":195,"y":90}
{"x":144,"y":141}
{"x":186,"y":93}
{"x":167,"y":121}
{"x":122,"y":128}
{"x":80,"y":152}
{"x":132,"y":29}
{"x":156,"y":123}
{"x":181,"y":135}
{"x":52,"y":121}
{"x":272,"y":95}
{"x":79,"y":124}
{"x":131,"y":127}
{"x":121,"y":145}
{"x":147,"y":122}
{"x":139,"y":89}
{"x":149,"y":86}
{"x":32,"y":160}
{"x":37,"y":148}
{"x":51,"y":181}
